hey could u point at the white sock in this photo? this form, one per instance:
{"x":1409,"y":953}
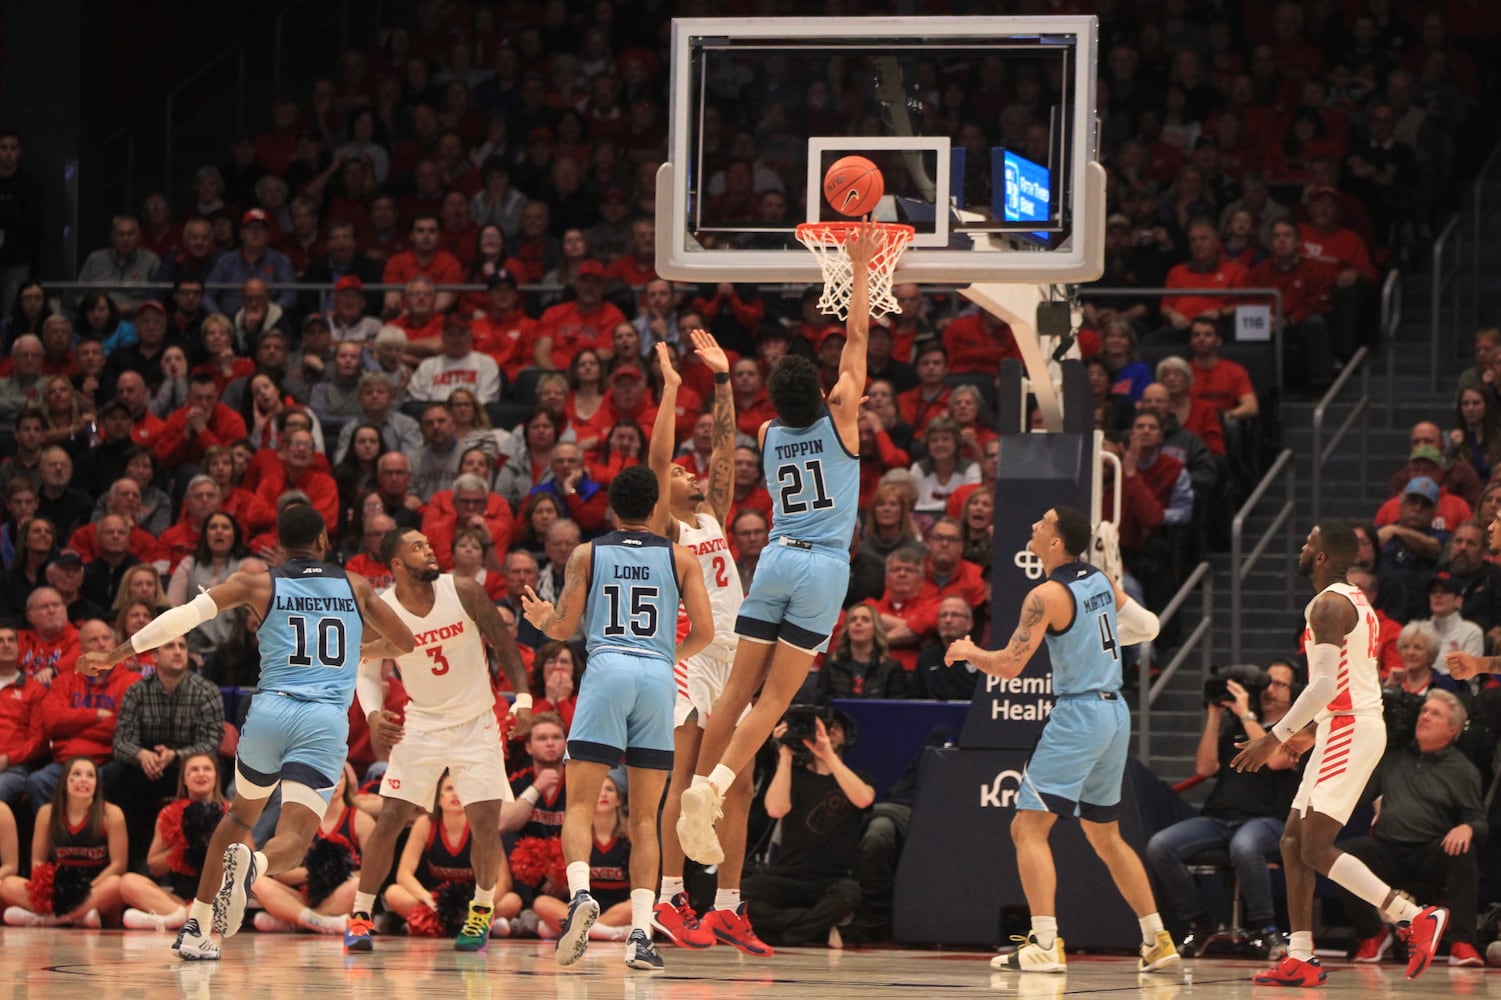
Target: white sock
{"x":364,"y":902}
{"x":578,"y":877}
{"x":641,"y":904}
{"x":1150,"y":925}
{"x":203,"y":913}
{"x":604,"y":932}
{"x":722,"y":777}
{"x":139,"y":920}
{"x":670,"y":887}
{"x":1045,"y":930}
{"x":699,"y":779}
{"x":262,"y":866}
{"x":316,"y":921}
{"x":1402,"y":910}
{"x":727,"y":899}
{"x":1351,"y":873}
{"x":484,"y":897}
{"x":1300,"y":945}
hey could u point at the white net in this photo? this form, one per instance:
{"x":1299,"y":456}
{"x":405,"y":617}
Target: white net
{"x":826,"y":240}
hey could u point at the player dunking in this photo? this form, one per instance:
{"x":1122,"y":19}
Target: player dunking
{"x":626,"y":587}
{"x":1343,"y":699}
{"x":813,"y":472}
{"x":297,"y":733}
{"x":1078,"y":764}
{"x":450,"y":724}
{"x":694,"y":516}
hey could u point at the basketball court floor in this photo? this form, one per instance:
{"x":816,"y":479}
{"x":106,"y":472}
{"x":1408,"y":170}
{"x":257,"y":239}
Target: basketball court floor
{"x":138,"y":966}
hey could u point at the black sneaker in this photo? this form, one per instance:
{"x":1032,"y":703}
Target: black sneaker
{"x":1194,"y":942}
{"x":574,"y":941}
{"x":641,"y":954}
{"x":1268,"y":944}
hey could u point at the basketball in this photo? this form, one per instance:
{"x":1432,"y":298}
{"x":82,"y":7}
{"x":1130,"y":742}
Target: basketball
{"x":853,"y":185}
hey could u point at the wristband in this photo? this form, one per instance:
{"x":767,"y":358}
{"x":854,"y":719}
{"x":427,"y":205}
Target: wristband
{"x":721,"y":378}
{"x":523,"y":700}
{"x":531,"y":796}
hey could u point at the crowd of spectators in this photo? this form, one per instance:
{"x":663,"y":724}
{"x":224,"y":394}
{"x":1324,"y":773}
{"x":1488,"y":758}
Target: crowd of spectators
{"x":150,"y":434}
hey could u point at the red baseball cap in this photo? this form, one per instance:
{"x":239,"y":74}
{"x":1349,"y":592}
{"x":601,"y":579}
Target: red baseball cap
{"x":255,"y":215}
{"x":591,"y":267}
{"x":625,"y":372}
{"x":151,"y":304}
{"x":349,"y":283}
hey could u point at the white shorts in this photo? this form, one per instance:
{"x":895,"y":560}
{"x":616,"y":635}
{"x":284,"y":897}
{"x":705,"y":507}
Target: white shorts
{"x":700,"y":681}
{"x":470,"y":751}
{"x":1345,"y":754}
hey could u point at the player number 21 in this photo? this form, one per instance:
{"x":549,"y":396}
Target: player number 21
{"x":790,"y":480}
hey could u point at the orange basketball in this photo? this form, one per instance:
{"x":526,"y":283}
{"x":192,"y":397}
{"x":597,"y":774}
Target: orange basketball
{"x":853,"y":185}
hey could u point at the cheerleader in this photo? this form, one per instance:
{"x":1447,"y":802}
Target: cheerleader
{"x":435,"y":878}
{"x":178,"y":847}
{"x":78,"y":853}
{"x":316,"y":896}
{"x":609,"y":874}
{"x":10,"y":844}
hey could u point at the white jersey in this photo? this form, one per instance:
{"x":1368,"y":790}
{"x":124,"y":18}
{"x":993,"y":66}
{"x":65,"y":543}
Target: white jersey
{"x":721,"y":579}
{"x":446,"y":673}
{"x":1358,"y":685}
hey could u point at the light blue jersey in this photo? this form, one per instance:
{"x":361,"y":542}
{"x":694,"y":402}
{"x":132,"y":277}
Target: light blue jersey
{"x":310,"y":638}
{"x":633,"y":596}
{"x":815,"y":486}
{"x":1086,"y":656}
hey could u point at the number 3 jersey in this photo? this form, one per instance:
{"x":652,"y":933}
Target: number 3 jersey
{"x":706,"y":539}
{"x":446,"y":674}
{"x":310,"y":635}
{"x":815,"y":486}
{"x":633,"y":596}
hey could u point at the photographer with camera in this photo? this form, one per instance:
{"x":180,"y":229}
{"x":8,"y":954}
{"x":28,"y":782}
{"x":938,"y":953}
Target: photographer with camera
{"x":821,"y":803}
{"x":1245,"y":811}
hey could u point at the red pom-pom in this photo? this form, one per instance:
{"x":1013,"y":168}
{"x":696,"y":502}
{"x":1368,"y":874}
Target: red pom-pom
{"x":169,"y":823}
{"x":538,"y":859}
{"x":39,"y":888}
{"x":423,"y":922}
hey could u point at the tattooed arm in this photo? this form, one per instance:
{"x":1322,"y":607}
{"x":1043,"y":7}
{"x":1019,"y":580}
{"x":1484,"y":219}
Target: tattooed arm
{"x":720,"y":489}
{"x":561,"y":621}
{"x":1046,"y":606}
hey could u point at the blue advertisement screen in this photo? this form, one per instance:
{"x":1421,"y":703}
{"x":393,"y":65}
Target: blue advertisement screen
{"x":1027,"y":190}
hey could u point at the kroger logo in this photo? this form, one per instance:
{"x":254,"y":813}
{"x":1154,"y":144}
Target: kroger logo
{"x":1002,"y":791}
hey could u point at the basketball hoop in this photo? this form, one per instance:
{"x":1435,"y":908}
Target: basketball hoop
{"x":826,"y":240}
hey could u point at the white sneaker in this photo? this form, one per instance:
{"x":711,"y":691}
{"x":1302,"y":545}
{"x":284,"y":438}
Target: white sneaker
{"x":234,"y":892}
{"x":267,"y":924}
{"x":140,"y":920}
{"x":500,"y":927}
{"x":321,"y":924}
{"x":1033,"y":957}
{"x":89,"y":920}
{"x":192,"y":945}
{"x":20,"y":916}
{"x":702,"y":807}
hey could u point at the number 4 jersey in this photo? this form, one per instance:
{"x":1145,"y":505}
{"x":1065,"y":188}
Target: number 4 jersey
{"x":633,"y":596}
{"x":446,"y":674}
{"x":1086,"y":656}
{"x":814,"y":483}
{"x":310,"y":636}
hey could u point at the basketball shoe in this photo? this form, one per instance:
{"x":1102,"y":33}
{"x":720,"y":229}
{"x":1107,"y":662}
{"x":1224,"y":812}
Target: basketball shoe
{"x":1422,"y":935}
{"x":1159,"y":954}
{"x":240,"y":871}
{"x":574,"y":941}
{"x":1033,"y":957}
{"x":1373,"y":949}
{"x":192,"y":945}
{"x":475,"y":933}
{"x":1292,"y":972}
{"x":357,"y":933}
{"x":702,"y":807}
{"x":678,"y":923}
{"x":733,"y":927}
{"x":641,"y":954}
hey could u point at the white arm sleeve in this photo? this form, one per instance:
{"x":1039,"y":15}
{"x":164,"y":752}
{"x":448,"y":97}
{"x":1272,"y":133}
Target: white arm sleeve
{"x":1323,"y":671}
{"x":1136,"y":623}
{"x":178,"y":621}
{"x":367,"y":687}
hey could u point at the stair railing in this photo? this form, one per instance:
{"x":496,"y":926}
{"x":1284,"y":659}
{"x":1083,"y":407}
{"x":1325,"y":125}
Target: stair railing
{"x":1197,"y":641}
{"x":1391,"y":322}
{"x":1360,"y":409}
{"x":1281,"y":526}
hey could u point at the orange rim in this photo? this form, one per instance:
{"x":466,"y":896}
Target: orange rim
{"x":838,"y":232}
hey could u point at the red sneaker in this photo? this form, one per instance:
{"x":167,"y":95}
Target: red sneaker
{"x":1461,"y":953}
{"x":1422,"y":936}
{"x":1292,"y":972}
{"x":733,"y":927}
{"x":1374,"y":949}
{"x":680,"y":924}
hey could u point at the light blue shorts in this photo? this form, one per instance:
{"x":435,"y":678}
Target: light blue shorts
{"x":795,"y":597}
{"x":624,"y":711}
{"x":285,"y":739}
{"x":1077,"y":767}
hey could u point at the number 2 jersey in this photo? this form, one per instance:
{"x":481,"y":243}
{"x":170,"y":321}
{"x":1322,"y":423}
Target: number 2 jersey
{"x":633,"y":596}
{"x":722,"y":580}
{"x":310,"y":637}
{"x":446,"y":674}
{"x":814,"y":483}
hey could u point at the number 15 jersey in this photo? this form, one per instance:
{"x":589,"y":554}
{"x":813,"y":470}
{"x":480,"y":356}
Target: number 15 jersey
{"x":633,"y":596}
{"x":446,"y":674}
